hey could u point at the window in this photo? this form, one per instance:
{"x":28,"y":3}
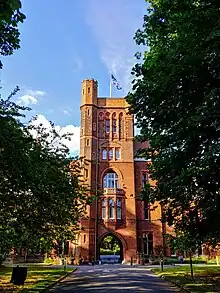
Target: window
{"x":84,"y":238}
{"x":88,"y":112}
{"x":148,"y":243}
{"x":111,"y":208}
{"x":110,"y":180}
{"x":144,"y":179}
{"x":114,"y":124}
{"x":118,"y":209}
{"x":88,"y":90}
{"x":87,"y":142}
{"x":117,"y":154}
{"x":83,"y":91}
{"x":104,"y":208}
{"x":107,"y":125}
{"x":121,"y":126}
{"x":104,"y":154}
{"x":86,"y":173}
{"x":110,"y":154}
{"x":146,"y":210}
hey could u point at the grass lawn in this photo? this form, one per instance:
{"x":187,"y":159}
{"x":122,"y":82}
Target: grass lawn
{"x":206,"y":278}
{"x":38,"y":278}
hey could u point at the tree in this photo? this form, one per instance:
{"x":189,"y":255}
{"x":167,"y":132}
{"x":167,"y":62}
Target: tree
{"x":176,"y":102}
{"x":184,"y":242}
{"x":10,"y":17}
{"x":42,"y":194}
{"x":110,"y":243}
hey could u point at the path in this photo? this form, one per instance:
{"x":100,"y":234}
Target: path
{"x":114,"y":279}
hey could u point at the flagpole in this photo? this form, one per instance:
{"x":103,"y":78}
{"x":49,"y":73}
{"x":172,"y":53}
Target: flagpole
{"x":110,"y":94}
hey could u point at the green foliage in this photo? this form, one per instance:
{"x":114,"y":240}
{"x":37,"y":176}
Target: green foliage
{"x":176,"y":103}
{"x":42,"y":194}
{"x":109,"y":245}
{"x":183,"y":242}
{"x":109,"y":251}
{"x":10,"y":17}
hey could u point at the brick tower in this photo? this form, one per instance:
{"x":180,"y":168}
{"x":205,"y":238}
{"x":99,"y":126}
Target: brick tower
{"x":116,"y":178}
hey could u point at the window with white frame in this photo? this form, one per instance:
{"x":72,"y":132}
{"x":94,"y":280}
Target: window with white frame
{"x":104,"y":203}
{"x":148,"y":243}
{"x":110,"y":180}
{"x":104,"y":154}
{"x":111,"y":208}
{"x":117,"y":154}
{"x":110,"y":154}
{"x":119,"y":214}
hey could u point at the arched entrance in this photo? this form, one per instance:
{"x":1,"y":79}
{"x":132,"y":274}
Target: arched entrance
{"x":110,"y":249}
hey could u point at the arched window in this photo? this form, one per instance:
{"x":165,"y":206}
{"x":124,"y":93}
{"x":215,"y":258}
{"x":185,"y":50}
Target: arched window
{"x":107,"y":123}
{"x":114,"y":123}
{"x":111,"y":154}
{"x":118,"y":209}
{"x":101,"y":125}
{"x":111,"y":208}
{"x":104,"y":154}
{"x":104,"y":201}
{"x":110,"y":180}
{"x":121,"y":126}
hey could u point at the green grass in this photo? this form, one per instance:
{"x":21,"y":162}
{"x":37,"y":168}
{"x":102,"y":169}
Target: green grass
{"x":206,"y":278}
{"x":38,"y":278}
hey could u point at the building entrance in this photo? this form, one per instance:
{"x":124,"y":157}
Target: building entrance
{"x":110,"y":249}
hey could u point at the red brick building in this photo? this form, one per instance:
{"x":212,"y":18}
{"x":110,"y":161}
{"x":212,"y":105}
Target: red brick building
{"x":116,"y":177}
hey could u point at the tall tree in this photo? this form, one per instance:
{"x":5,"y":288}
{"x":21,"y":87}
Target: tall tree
{"x":10,"y":17}
{"x":176,"y":102}
{"x":42,"y":195}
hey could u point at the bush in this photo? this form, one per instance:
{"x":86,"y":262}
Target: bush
{"x":175,"y":260}
{"x":109,"y":252}
{"x":54,"y":261}
{"x":212,"y":261}
{"x":171,"y":260}
{"x":196,"y":260}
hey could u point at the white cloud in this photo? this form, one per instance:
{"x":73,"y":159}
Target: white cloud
{"x":73,"y":144}
{"x":77,"y":64}
{"x":27,"y":100}
{"x":113,"y":24}
{"x":30,"y":97}
{"x":35,"y":93}
{"x":67,"y":112}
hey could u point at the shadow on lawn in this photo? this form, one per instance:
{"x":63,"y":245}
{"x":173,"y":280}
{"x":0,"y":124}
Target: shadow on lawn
{"x":37,"y":279}
{"x":200,"y":283}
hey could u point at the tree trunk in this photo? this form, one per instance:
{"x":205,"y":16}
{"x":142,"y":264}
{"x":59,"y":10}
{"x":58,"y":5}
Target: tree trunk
{"x":191,"y":264}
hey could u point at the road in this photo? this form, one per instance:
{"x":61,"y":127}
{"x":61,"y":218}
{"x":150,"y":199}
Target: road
{"x":114,"y":279}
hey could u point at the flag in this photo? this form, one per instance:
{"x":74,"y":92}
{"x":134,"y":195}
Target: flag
{"x":115,"y":82}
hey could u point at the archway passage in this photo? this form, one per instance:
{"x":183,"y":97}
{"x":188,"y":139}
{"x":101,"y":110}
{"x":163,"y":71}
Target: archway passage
{"x":110,"y":249}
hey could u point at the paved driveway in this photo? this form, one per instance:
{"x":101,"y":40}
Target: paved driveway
{"x":114,"y":279}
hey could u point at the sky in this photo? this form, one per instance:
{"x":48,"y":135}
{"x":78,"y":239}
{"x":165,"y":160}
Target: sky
{"x":63,"y":44}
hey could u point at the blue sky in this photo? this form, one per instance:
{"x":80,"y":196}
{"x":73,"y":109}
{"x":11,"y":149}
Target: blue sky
{"x":63,"y":44}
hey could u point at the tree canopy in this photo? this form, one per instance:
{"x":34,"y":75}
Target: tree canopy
{"x":176,"y":102}
{"x":42,"y":194}
{"x":10,"y":17}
